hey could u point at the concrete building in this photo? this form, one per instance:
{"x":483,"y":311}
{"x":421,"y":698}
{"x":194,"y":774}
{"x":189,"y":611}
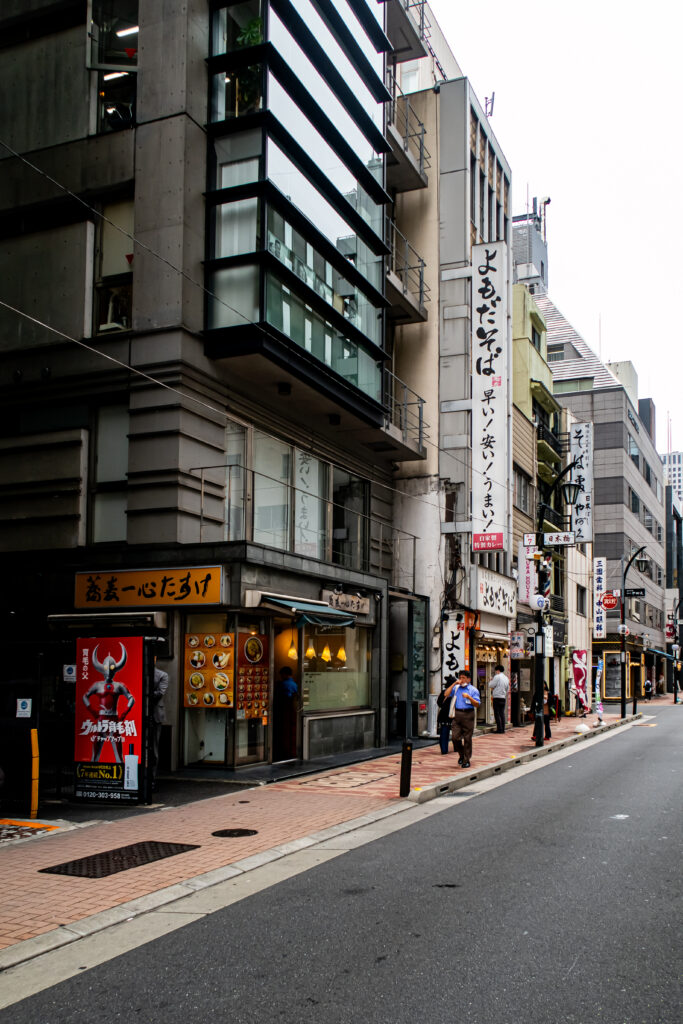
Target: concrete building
{"x":199,"y":389}
{"x":674,"y":587}
{"x":464,"y":210}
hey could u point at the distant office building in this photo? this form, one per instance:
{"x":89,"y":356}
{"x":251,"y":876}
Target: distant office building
{"x":673,"y":468}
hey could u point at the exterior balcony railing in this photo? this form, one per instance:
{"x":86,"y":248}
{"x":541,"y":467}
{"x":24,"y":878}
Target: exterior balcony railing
{"x":409,"y":159}
{"x":546,"y":436}
{"x":407,"y":289}
{"x":557,"y":603}
{"x":555,"y":519}
{"x":406,"y":411}
{"x":407,"y":27}
{"x":239,"y":504}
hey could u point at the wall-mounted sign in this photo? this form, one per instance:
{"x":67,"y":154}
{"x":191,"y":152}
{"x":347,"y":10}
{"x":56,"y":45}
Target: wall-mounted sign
{"x":609,"y":601}
{"x":456,"y":654}
{"x":252,"y":682}
{"x":495,"y":593}
{"x":599,"y":588}
{"x":548,"y":643}
{"x":347,"y":602}
{"x":529,"y":540}
{"x":558,"y":539}
{"x":517,"y":645}
{"x":24,"y":705}
{"x":149,"y":588}
{"x":581,"y":452}
{"x":209,"y":670}
{"x":527,"y":578}
{"x":109,"y":705}
{"x":490,"y":372}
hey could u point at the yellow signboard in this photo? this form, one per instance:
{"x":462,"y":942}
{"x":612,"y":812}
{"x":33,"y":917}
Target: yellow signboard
{"x":149,"y":588}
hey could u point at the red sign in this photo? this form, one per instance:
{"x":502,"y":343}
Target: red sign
{"x":609,"y":601}
{"x":487,"y":541}
{"x":108,"y":741}
{"x":670,"y":632}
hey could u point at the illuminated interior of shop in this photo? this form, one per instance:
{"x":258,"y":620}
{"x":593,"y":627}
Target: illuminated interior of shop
{"x":336,"y":668}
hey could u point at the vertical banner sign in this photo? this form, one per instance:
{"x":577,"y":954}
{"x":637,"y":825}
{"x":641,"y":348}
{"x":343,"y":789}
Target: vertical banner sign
{"x":580,"y":670}
{"x":581,"y":451}
{"x":599,"y":582}
{"x":455,"y":650}
{"x":489,"y":397}
{"x":527,"y":577}
{"x":109,"y":706}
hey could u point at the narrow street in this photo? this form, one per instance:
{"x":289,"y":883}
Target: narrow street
{"x":548,"y":894}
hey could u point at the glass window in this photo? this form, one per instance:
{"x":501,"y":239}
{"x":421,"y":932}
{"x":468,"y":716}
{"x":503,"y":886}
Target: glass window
{"x":287,"y":312}
{"x":116,"y":93}
{"x":237,"y":159}
{"x":310,"y":139}
{"x":236,"y":228}
{"x":336,"y":669}
{"x":236,"y":25}
{"x":635,"y":503}
{"x":113,"y":33}
{"x":321,"y":92}
{"x":634,"y":451}
{"x":305,"y":196}
{"x":295,"y":252}
{"x":235,"y":297}
{"x":337,"y":55}
{"x":522,"y":491}
{"x":581,"y":600}
{"x":359,"y":34}
{"x":349,"y":526}
{"x":236,"y":459}
{"x":310,"y":492}
{"x":109,"y":498}
{"x":237,"y":93}
{"x":272,"y":479}
{"x":109,"y":517}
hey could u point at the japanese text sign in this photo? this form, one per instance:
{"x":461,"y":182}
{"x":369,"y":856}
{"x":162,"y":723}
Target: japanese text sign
{"x":490,"y":421}
{"x":581,"y":452}
{"x":527,"y":579}
{"x":109,"y":705}
{"x":455,"y":649}
{"x":495,"y":593}
{"x":599,"y":587}
{"x":149,"y":588}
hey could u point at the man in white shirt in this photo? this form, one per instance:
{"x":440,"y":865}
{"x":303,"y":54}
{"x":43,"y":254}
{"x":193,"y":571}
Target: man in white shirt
{"x":500,"y":686}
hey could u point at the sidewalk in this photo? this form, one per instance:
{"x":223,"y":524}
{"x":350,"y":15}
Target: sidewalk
{"x":282,"y":813}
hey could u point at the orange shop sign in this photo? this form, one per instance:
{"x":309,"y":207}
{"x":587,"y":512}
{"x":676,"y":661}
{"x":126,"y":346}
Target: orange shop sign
{"x":149,"y":588}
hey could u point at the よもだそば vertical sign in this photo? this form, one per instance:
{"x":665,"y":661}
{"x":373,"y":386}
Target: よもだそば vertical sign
{"x":109,"y":715}
{"x":490,"y":423}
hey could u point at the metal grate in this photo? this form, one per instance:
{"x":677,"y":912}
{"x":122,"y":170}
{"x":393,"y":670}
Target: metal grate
{"x":99,"y":865}
{"x":234,"y":833}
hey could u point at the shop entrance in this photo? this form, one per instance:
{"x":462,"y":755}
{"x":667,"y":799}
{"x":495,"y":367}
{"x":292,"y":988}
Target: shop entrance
{"x":286,"y":691}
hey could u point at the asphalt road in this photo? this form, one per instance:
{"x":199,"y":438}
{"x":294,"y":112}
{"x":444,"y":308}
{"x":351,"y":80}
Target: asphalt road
{"x":552,"y":898}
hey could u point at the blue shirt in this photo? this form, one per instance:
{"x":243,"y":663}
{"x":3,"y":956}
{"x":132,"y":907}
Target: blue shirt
{"x":464,"y":705}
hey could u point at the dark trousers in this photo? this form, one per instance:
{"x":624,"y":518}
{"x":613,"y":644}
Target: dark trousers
{"x":444,"y":735}
{"x":499,"y":713}
{"x":463,"y":727}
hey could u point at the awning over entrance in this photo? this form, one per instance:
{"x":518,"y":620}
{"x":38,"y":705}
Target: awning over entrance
{"x":312,"y":613}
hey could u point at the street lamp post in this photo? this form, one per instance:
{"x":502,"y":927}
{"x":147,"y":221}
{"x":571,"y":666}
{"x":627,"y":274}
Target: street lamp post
{"x":570,"y":494}
{"x":641,"y":565}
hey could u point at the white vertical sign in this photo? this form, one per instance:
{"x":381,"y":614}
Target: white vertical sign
{"x":581,"y":451}
{"x":527,"y":577}
{"x":455,"y":654}
{"x":599,"y":587}
{"x":489,"y":396}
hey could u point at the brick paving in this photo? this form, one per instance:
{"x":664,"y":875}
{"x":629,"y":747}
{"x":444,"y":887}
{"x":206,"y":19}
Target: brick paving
{"x":35,"y":903}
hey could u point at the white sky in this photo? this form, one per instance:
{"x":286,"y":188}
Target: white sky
{"x":588,"y":111}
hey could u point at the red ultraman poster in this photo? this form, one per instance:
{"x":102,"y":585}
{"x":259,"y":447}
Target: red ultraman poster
{"x":109,"y":703}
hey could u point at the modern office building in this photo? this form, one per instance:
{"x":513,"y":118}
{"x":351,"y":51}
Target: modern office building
{"x":673,"y":470}
{"x":201,"y":412}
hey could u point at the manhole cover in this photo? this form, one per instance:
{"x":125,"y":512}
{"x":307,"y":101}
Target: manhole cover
{"x":124,"y":857}
{"x":234,"y":833}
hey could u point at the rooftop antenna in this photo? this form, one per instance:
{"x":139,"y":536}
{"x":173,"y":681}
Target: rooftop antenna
{"x":488,"y":104}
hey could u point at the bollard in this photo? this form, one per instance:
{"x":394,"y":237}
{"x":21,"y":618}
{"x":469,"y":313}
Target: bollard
{"x":406,"y":764}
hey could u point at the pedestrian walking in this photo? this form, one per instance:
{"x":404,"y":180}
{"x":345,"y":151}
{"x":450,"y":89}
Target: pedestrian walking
{"x":443,"y":720}
{"x":546,"y":714}
{"x":500,"y":687}
{"x":648,"y":689}
{"x":467,"y":700}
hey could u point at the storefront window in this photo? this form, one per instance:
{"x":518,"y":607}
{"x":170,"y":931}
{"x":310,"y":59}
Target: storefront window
{"x":336,"y":669}
{"x":206,"y":734}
